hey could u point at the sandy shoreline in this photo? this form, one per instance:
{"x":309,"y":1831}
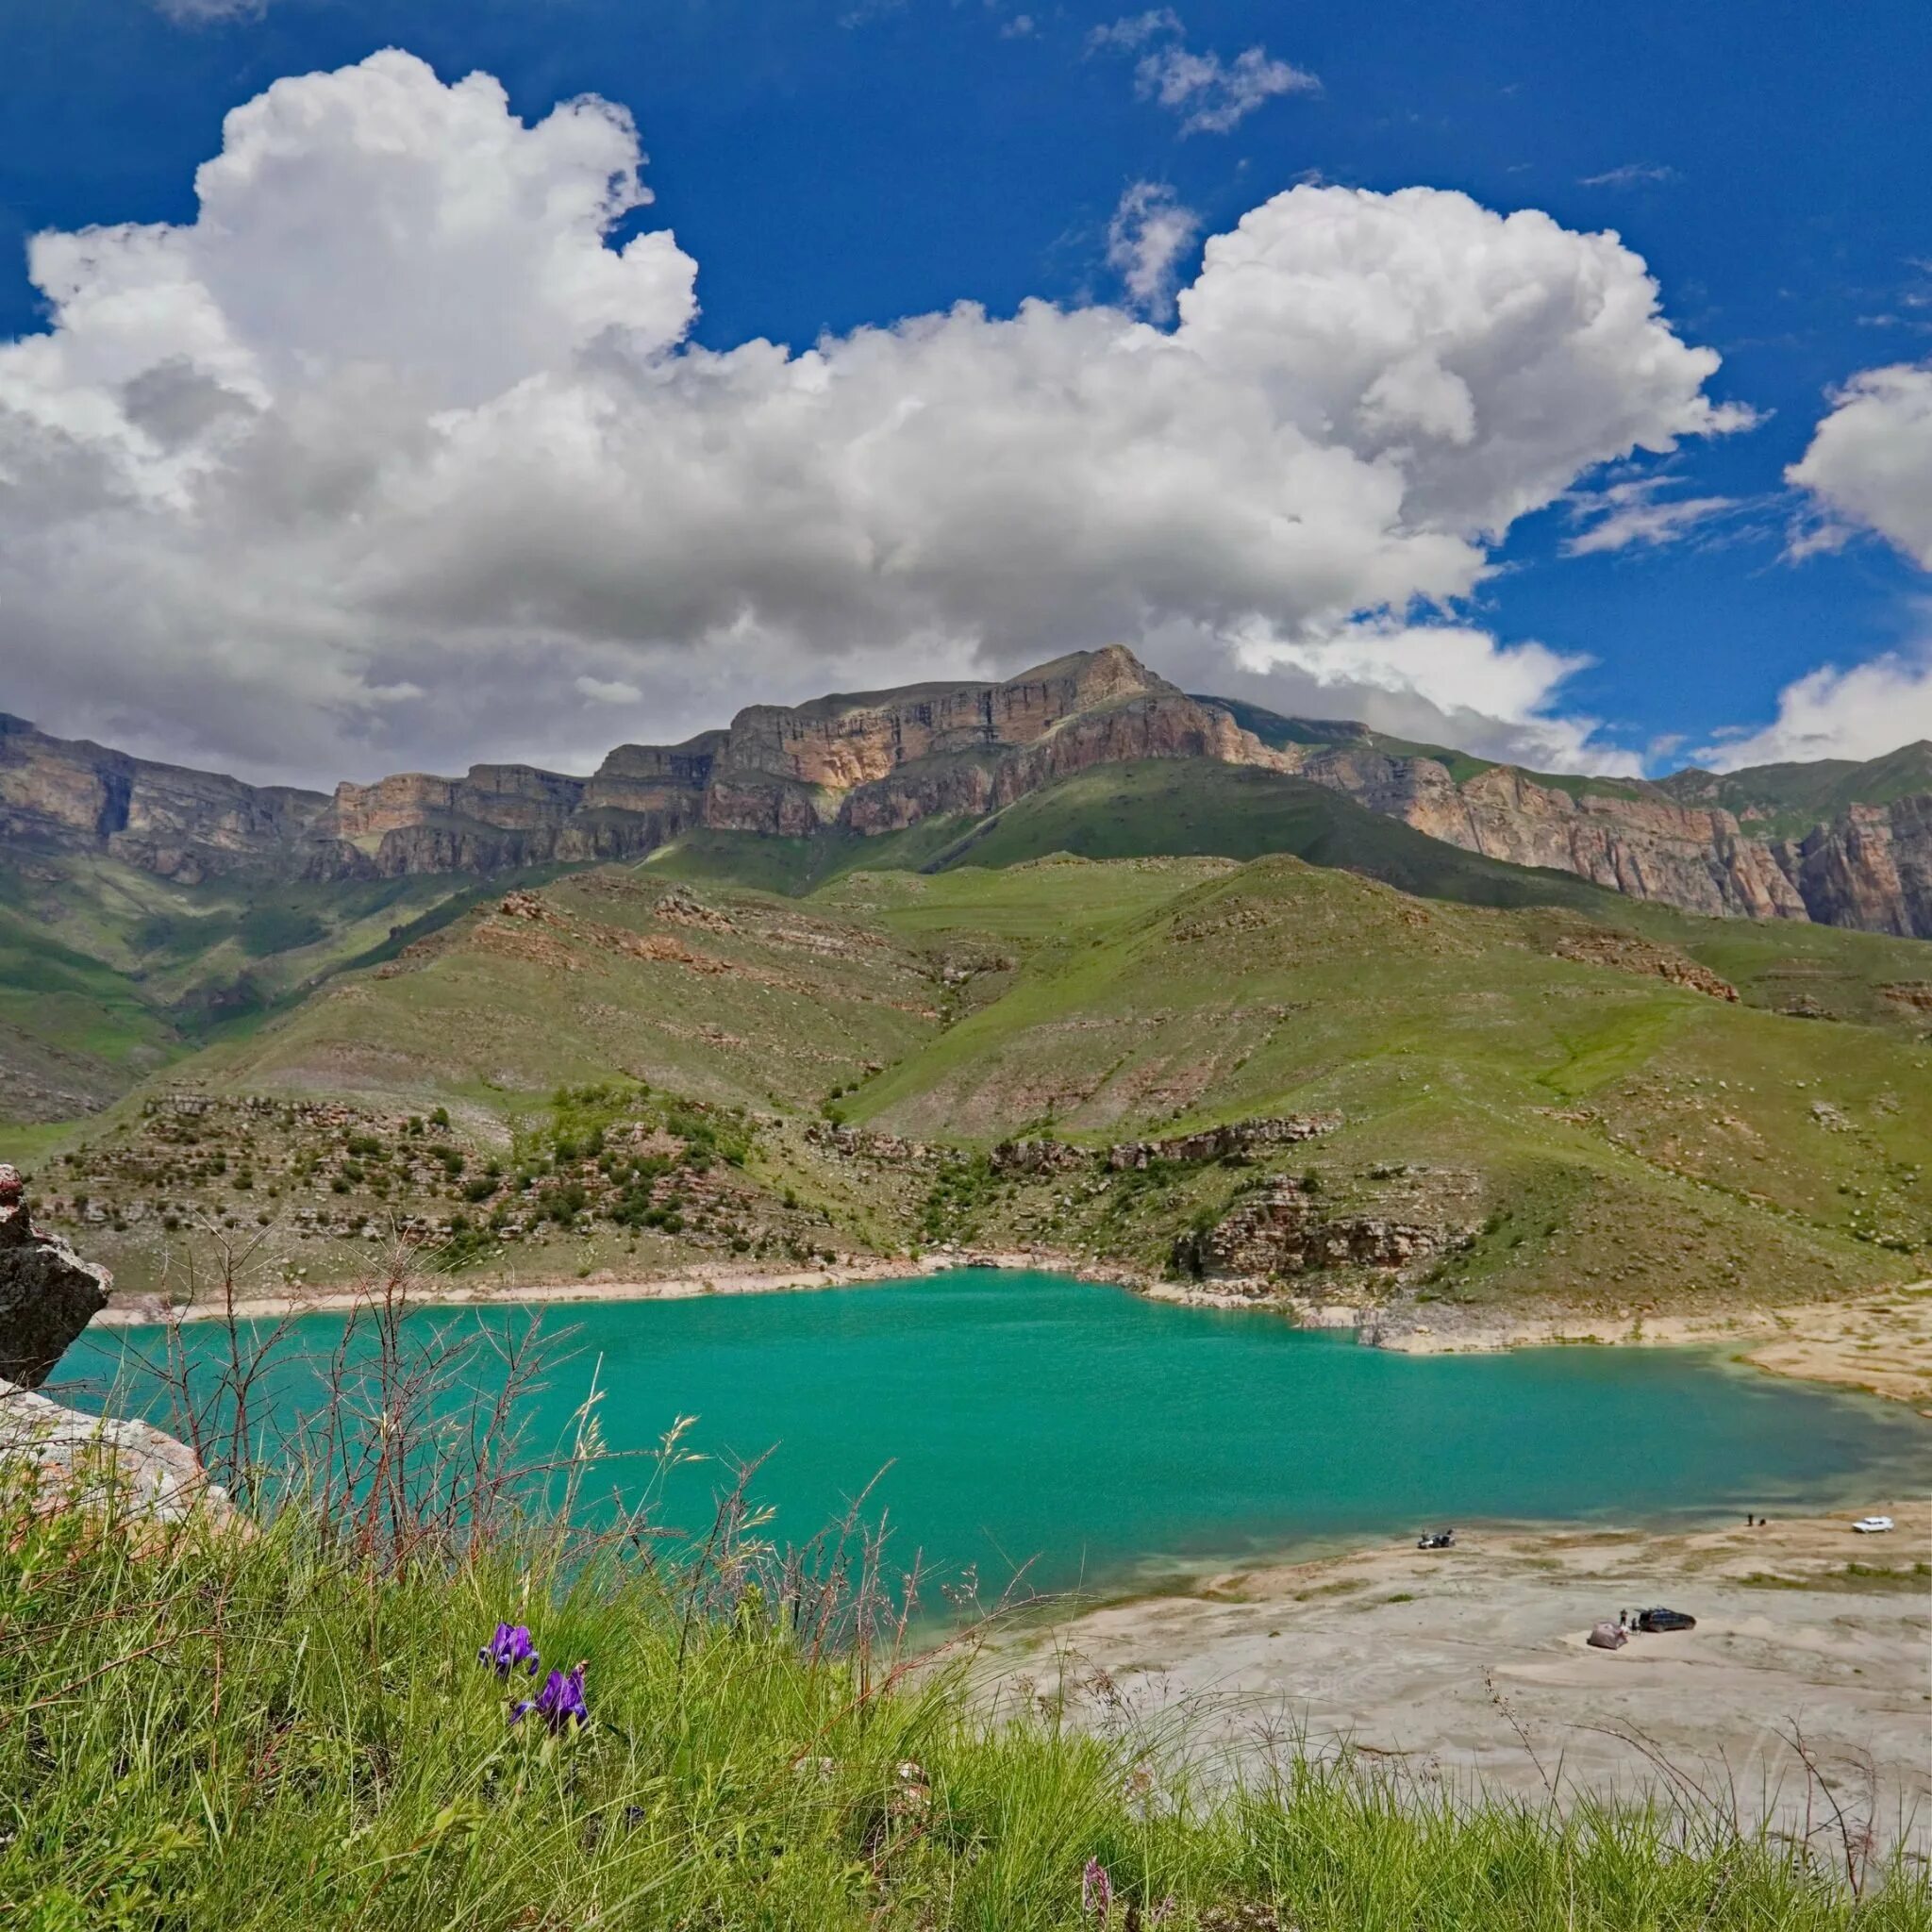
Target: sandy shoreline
{"x":1469,"y":1665}
{"x":1878,"y":1343}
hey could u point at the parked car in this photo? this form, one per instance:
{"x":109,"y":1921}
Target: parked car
{"x":1436,"y":1539}
{"x":1661,"y":1619}
{"x":1872,"y":1525}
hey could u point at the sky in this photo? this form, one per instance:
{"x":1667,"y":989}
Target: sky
{"x":394,"y":386}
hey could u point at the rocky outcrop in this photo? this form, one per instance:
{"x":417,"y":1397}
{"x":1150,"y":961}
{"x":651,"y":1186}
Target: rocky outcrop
{"x":1627,"y":953}
{"x":122,"y":1468}
{"x":1870,"y":868}
{"x":72,"y":795}
{"x":1625,"y":839}
{"x":1280,"y":1230}
{"x":48,"y":1295}
{"x":1235,"y":1142}
{"x":116,"y":1466}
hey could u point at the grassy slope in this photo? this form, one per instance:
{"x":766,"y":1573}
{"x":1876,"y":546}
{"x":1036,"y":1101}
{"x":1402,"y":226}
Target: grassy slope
{"x":1633,"y":1141}
{"x":768,"y":1007}
{"x":1638,"y":1140}
{"x":1785,"y":800}
{"x":107,"y":972}
{"x":257,"y":1734}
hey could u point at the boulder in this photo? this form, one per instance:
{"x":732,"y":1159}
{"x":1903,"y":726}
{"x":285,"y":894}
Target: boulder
{"x":122,"y":1468}
{"x":48,"y":1295}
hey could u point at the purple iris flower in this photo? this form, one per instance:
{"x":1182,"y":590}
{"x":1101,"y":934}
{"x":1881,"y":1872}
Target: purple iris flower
{"x":508,"y":1648}
{"x":559,"y":1703}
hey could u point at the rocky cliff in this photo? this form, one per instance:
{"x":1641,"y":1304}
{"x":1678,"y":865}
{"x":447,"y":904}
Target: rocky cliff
{"x":69,"y":794}
{"x":1837,"y":842}
{"x":871,"y":762}
{"x":1869,"y":866}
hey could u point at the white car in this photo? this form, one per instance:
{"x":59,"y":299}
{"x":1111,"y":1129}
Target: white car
{"x":1872,"y":1525}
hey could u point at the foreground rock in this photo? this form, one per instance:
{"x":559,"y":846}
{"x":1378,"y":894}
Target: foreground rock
{"x":48,"y":1295}
{"x":118,"y":1468}
{"x":65,"y":1457}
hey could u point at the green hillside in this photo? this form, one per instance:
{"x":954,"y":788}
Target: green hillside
{"x":1550,"y":1094}
{"x":1166,"y":807}
{"x":1787,"y":800}
{"x":108,"y":972}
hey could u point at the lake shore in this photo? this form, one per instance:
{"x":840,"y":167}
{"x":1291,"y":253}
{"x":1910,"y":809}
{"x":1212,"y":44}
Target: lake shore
{"x":1878,"y":1343}
{"x":1470,"y":1666}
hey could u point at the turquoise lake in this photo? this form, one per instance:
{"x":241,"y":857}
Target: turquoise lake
{"x":1110,"y":1441}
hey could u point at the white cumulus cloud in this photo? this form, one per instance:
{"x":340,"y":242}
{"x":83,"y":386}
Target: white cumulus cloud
{"x":1869,"y":461}
{"x":1869,"y":465}
{"x":389,"y":458}
{"x":1442,"y":683}
{"x":1856,"y":711}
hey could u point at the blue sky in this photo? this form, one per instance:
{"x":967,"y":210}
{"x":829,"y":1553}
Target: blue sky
{"x":836,"y":167}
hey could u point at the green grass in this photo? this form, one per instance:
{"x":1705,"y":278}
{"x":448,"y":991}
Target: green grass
{"x":262,"y":1732}
{"x":1196,"y":809}
{"x":1850,"y":1576}
{"x":795,"y":866}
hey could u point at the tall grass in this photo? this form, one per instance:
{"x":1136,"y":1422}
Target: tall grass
{"x":282,"y":1722}
{"x":232,"y":1730}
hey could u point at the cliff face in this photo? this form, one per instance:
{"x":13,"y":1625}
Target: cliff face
{"x":1869,"y":867}
{"x":181,"y":825}
{"x":1837,"y":842}
{"x":871,"y":762}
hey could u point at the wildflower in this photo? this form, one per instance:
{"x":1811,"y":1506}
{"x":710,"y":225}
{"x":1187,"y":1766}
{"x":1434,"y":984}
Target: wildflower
{"x":559,"y":1703}
{"x":1097,"y":1891}
{"x":508,"y":1648}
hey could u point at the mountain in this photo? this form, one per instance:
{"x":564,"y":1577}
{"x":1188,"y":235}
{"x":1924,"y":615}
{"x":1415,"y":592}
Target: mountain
{"x":1833,"y":843}
{"x":1837,"y":842}
{"x":869,"y":763}
{"x":1074,"y":959}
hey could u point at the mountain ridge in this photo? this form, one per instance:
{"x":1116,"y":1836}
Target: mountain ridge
{"x":1836,"y":843}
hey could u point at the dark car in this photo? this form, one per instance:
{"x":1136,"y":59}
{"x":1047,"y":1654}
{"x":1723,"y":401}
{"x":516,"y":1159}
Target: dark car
{"x":1661,"y":1619}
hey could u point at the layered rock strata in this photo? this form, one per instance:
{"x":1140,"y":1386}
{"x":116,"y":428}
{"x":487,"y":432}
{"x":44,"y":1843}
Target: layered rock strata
{"x":878,"y":762}
{"x":1870,"y":867}
{"x":1281,"y":1230}
{"x":868,"y":763}
{"x":180,"y":825}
